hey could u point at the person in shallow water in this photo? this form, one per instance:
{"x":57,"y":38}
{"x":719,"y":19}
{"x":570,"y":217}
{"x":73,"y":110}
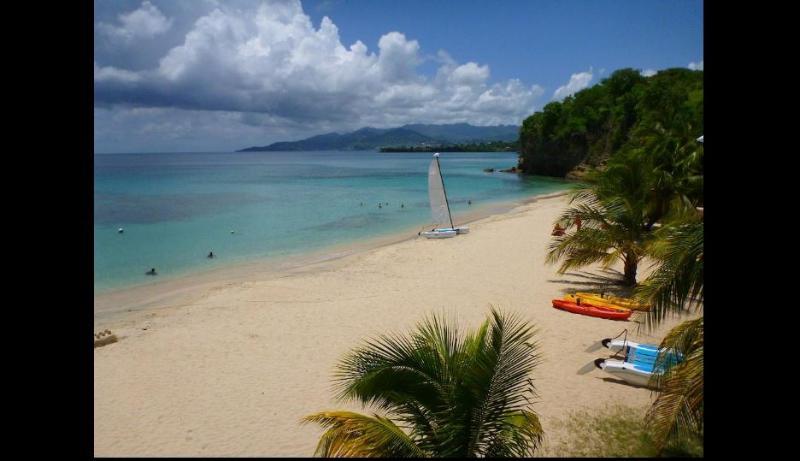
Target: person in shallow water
{"x":210,"y":254}
{"x":151,"y":271}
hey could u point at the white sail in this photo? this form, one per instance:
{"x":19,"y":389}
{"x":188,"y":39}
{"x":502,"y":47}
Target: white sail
{"x":439,"y":208}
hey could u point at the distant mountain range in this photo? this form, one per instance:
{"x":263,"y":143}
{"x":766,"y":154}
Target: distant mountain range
{"x":407,"y":135}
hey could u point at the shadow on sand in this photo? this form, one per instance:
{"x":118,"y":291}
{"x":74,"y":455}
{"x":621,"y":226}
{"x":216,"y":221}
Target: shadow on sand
{"x":623,"y":382}
{"x":605,"y":280}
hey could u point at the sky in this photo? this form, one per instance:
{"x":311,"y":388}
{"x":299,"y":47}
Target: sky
{"x":217,"y":76}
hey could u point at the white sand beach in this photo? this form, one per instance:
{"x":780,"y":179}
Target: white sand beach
{"x":229,"y":366}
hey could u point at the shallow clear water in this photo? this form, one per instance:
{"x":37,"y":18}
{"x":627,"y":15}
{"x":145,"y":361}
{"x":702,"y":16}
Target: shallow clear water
{"x":175,"y":208}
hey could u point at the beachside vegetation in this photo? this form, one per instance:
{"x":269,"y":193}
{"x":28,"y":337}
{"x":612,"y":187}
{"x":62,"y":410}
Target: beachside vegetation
{"x":442,"y":393}
{"x":674,"y":288}
{"x":621,"y":112}
{"x":613,"y":217}
{"x":647,"y":202}
{"x":615,"y":431}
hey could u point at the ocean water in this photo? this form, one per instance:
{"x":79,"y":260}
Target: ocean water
{"x":175,"y":208}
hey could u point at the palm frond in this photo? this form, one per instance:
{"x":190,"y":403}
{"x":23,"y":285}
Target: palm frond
{"x":457,"y":395}
{"x":677,"y":284}
{"x":521,"y":436}
{"x":497,"y":385}
{"x":352,"y":434}
{"x":677,"y":412}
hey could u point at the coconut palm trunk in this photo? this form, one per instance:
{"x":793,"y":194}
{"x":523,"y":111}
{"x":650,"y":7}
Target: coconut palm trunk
{"x":631,"y":265}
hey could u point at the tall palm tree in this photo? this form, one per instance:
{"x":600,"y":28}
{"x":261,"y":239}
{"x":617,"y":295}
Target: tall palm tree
{"x":443,"y":394}
{"x":613,"y":216}
{"x":676,"y":287}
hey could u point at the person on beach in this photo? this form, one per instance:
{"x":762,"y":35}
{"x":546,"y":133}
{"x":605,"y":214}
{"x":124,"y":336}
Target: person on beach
{"x":558,"y":230}
{"x":152,"y":271}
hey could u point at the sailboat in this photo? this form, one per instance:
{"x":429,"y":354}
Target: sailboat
{"x":440,"y":208}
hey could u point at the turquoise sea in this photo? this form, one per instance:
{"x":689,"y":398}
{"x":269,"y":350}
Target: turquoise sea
{"x":177,"y":207}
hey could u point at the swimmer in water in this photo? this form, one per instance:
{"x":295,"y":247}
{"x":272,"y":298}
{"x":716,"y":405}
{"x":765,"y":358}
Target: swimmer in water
{"x":210,"y":254}
{"x":151,"y":271}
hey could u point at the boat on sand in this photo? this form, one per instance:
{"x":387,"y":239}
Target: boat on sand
{"x":590,"y":310}
{"x":600,"y":299}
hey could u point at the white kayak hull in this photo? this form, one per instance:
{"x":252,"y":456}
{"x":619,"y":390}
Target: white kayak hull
{"x":625,"y":371}
{"x":616,"y":345}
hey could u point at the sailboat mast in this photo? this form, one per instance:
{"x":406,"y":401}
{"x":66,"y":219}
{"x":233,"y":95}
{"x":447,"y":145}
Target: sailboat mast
{"x":447,"y":202}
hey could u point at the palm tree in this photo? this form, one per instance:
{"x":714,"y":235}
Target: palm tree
{"x":677,"y":163}
{"x":613,"y":216}
{"x":676,"y":286}
{"x":677,"y":412}
{"x":443,"y":394}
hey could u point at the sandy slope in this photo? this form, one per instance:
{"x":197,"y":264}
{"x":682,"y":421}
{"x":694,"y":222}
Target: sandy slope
{"x":231,"y":369}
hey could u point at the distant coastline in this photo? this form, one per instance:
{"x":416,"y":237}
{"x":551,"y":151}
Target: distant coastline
{"x":498,"y":146}
{"x":415,"y":135}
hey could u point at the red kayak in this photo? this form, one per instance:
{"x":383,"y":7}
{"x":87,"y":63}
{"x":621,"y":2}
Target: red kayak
{"x":594,"y":311}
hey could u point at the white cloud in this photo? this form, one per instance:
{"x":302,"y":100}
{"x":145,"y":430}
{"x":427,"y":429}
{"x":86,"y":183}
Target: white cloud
{"x":109,"y":73}
{"x":273,"y":61}
{"x":576,"y":83}
{"x":649,"y":72}
{"x":145,"y":22}
{"x":696,"y":65}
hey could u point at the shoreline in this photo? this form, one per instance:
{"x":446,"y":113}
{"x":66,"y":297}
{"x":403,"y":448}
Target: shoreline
{"x":231,"y":368}
{"x":184,"y":288}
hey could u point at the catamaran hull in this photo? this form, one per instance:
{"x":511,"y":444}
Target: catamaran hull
{"x":616,"y":345}
{"x":459,"y":230}
{"x":624,"y":371}
{"x":439,"y":234}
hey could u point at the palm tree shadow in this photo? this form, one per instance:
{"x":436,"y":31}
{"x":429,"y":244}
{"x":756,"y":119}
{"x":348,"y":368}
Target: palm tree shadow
{"x":609,"y":283}
{"x":626,"y":383}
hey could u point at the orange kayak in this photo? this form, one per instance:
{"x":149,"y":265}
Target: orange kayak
{"x":593,"y":311}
